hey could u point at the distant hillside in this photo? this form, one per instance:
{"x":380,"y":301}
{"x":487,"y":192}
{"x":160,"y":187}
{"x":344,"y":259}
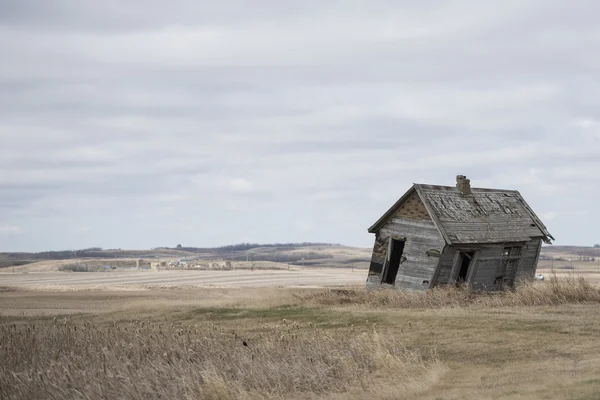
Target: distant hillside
{"x":10,"y":259}
{"x":297,"y":254}
{"x":278,"y":252}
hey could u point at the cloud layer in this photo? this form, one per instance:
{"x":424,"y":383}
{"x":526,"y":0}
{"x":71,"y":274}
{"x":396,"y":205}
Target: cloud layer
{"x":205,"y":123}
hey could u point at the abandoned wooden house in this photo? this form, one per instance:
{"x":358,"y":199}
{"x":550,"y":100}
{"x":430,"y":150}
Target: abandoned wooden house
{"x":437,"y":235}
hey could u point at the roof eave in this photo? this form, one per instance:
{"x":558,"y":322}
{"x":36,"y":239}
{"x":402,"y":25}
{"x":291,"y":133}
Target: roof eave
{"x":546,"y":235}
{"x":432,"y":214}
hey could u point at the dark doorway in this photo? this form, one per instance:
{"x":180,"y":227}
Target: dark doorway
{"x":464,"y":267}
{"x":392,"y":266}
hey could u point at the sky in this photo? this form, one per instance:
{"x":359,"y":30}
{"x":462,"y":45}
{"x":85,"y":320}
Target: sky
{"x":145,"y":123}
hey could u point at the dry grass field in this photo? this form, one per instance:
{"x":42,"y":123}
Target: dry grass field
{"x":140,"y":280}
{"x":254,"y":343}
{"x":589,"y":270}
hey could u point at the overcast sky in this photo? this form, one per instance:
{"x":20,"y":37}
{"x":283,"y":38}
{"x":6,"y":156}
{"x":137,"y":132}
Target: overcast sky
{"x":144,"y":123}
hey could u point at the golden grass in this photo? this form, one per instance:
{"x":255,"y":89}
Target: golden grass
{"x":555,"y":291}
{"x":539,"y":341}
{"x":59,"y":359}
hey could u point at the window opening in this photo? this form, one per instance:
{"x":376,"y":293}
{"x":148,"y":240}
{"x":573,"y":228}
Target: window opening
{"x":464,"y":267}
{"x":507,"y":270}
{"x":393,"y":264}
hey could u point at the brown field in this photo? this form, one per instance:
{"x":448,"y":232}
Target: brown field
{"x":138,"y":280}
{"x":589,"y":270}
{"x":43,"y":276}
{"x":228,"y":343}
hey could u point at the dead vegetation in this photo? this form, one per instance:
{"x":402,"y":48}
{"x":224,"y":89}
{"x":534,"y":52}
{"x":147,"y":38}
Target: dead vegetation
{"x":554,"y":291}
{"x":310,"y":343}
{"x":60,"y":359}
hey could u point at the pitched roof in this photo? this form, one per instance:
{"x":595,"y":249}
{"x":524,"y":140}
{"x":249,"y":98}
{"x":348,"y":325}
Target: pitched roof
{"x":485,"y":216}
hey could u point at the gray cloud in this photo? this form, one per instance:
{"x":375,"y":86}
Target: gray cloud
{"x":205,"y":123}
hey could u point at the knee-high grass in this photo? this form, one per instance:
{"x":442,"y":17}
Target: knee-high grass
{"x":138,"y":360}
{"x":554,"y":291}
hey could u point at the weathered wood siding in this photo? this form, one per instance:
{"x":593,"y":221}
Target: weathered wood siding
{"x":445,"y":265}
{"x":488,"y":259}
{"x":377,"y":261}
{"x":412,"y":209}
{"x":417,"y":271}
{"x":488,"y":262}
{"x":529,"y":260}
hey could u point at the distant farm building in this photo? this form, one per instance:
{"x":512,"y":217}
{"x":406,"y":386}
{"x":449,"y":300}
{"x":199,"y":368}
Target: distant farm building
{"x":437,"y":235}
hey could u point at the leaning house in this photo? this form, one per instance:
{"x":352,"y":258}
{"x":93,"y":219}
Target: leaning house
{"x":438,"y":235}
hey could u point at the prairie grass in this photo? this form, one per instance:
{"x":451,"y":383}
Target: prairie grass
{"x":450,"y":343}
{"x":61,"y":359}
{"x":569,"y":289}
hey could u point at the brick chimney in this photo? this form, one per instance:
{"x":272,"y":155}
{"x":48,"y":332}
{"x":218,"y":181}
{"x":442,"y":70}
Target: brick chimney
{"x":463,"y":185}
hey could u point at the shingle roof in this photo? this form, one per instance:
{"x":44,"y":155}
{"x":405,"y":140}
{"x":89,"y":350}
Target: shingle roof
{"x":485,"y":216}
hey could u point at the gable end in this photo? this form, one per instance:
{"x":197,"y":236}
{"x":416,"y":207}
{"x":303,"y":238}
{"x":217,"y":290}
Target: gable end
{"x":413,"y":208}
{"x":409,"y":206}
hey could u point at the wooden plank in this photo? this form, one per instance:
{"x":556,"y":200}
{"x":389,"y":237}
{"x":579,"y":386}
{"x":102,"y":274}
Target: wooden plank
{"x":490,"y":230}
{"x":490,"y":238}
{"x":491,"y":227}
{"x":423,"y":276}
{"x":415,"y":258}
{"x":419,"y":264}
{"x":379,"y":250}
{"x":422,"y":248}
{"x":490,"y":251}
{"x":436,"y":272}
{"x":506,"y":235}
{"x":499,"y":227}
{"x":528,"y":265}
{"x":410,"y":286}
{"x":473,"y":268}
{"x":524,"y":222}
{"x":373,"y":281}
{"x":432,"y":239}
{"x":501,"y":258}
{"x":389,"y":249}
{"x":419,"y":267}
{"x":412,"y":228}
{"x":416,"y":281}
{"x":514,"y":220}
{"x":409,"y":233}
{"x":455,"y":265}
{"x":486,"y":274}
{"x":485,"y":246}
{"x":410,"y":222}
{"x":446,"y":265}
{"x":417,"y":245}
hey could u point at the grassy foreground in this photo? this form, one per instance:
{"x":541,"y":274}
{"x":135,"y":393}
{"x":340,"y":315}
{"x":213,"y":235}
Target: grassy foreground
{"x":538,"y":342}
